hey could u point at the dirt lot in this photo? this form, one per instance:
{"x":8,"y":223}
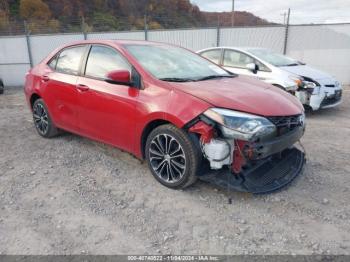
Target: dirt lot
{"x":70,"y":195}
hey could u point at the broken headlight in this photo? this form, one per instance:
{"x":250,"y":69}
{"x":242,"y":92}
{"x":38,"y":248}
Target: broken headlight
{"x":311,"y":85}
{"x":240,"y":125}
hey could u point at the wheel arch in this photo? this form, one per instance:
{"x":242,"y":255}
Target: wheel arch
{"x":33,"y":98}
{"x":148,"y":129}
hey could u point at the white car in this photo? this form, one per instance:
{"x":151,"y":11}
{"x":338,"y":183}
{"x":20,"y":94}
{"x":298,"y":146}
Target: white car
{"x":314,"y":88}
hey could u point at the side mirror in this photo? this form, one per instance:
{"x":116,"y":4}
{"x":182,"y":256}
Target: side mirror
{"x":119,"y":77}
{"x":253,"y":67}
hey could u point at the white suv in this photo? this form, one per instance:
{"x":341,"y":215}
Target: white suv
{"x":314,"y":88}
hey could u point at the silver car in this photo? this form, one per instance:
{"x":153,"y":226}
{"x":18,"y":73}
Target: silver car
{"x":314,"y":88}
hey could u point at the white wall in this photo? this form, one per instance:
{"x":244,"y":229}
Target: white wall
{"x":14,"y":60}
{"x":137,"y":35}
{"x":195,"y":39}
{"x":268,"y":37}
{"x":326,"y":47}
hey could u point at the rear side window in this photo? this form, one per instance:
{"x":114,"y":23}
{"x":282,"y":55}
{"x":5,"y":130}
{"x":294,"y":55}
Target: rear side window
{"x":213,"y":55}
{"x":103,"y":60}
{"x":69,"y":60}
{"x":236,"y":59}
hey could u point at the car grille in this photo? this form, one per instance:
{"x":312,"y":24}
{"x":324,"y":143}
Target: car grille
{"x":285,"y":124}
{"x":329,"y":85}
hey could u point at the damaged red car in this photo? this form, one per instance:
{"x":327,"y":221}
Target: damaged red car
{"x":187,"y":117}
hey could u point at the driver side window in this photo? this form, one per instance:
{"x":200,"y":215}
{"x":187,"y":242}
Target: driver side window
{"x":236,"y":59}
{"x":103,"y":60}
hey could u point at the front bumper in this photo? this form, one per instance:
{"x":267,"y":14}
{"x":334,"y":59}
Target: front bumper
{"x":262,"y":150}
{"x":332,"y":100}
{"x":327,"y":97}
{"x":264,"y":176}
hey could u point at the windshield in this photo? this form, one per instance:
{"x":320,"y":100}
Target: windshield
{"x":274,"y":58}
{"x":175,"y":64}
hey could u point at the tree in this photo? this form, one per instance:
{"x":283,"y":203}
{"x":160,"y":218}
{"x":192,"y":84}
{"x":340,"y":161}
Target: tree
{"x":4,"y":21}
{"x":104,"y":22}
{"x":34,"y":10}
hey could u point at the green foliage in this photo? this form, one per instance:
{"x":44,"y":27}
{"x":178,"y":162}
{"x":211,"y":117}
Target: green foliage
{"x":104,"y":22}
{"x":14,"y":8}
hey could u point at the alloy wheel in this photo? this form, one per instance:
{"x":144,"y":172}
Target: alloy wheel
{"x":41,"y":120}
{"x":167,"y":158}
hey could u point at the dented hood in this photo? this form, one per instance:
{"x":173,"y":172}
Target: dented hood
{"x":244,"y":94}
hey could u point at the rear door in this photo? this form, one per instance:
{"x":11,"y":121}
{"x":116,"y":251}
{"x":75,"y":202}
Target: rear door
{"x":59,"y":82}
{"x":106,"y":111}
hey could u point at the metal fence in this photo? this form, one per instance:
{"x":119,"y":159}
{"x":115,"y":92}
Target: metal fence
{"x":326,"y":47}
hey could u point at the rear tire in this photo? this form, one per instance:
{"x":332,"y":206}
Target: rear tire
{"x":172,"y":156}
{"x":42,"y":120}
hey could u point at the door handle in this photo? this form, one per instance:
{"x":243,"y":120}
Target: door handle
{"x":82,"y":88}
{"x":45,"y":78}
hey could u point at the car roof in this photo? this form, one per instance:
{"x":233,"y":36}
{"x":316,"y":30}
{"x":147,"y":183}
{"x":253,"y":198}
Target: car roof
{"x":116,"y":42}
{"x":244,"y":49}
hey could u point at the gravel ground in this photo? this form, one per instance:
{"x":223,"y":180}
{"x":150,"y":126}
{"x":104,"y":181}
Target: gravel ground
{"x":70,"y":195}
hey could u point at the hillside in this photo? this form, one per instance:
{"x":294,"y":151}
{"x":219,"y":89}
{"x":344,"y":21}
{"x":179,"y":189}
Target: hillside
{"x":240,"y":19}
{"x":44,"y":16}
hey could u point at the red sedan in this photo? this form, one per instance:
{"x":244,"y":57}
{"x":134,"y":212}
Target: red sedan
{"x":188,"y":117}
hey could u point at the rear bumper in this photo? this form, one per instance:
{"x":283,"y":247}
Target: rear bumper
{"x":264,"y":176}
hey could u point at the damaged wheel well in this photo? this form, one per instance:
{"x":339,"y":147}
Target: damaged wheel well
{"x":148,"y":129}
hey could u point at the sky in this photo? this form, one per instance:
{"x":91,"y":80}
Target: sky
{"x":302,"y":11}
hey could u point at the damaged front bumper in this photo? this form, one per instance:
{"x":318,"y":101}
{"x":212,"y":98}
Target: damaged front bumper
{"x":262,"y":150}
{"x":321,"y":97}
{"x":264,"y":176}
{"x":255,"y":167}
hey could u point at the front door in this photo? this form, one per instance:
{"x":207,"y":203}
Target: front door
{"x":106,"y":111}
{"x":236,"y":62}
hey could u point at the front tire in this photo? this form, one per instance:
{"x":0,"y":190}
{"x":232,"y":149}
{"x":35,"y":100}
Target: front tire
{"x":42,"y":120}
{"x":172,"y":157}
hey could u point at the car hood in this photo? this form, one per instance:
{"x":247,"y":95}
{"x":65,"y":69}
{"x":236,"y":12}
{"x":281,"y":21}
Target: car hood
{"x":307,"y":71}
{"x":244,"y":94}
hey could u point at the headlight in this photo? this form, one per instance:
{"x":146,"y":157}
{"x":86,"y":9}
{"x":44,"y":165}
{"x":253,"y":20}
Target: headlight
{"x":311,"y":84}
{"x":307,"y":84}
{"x":240,"y":125}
